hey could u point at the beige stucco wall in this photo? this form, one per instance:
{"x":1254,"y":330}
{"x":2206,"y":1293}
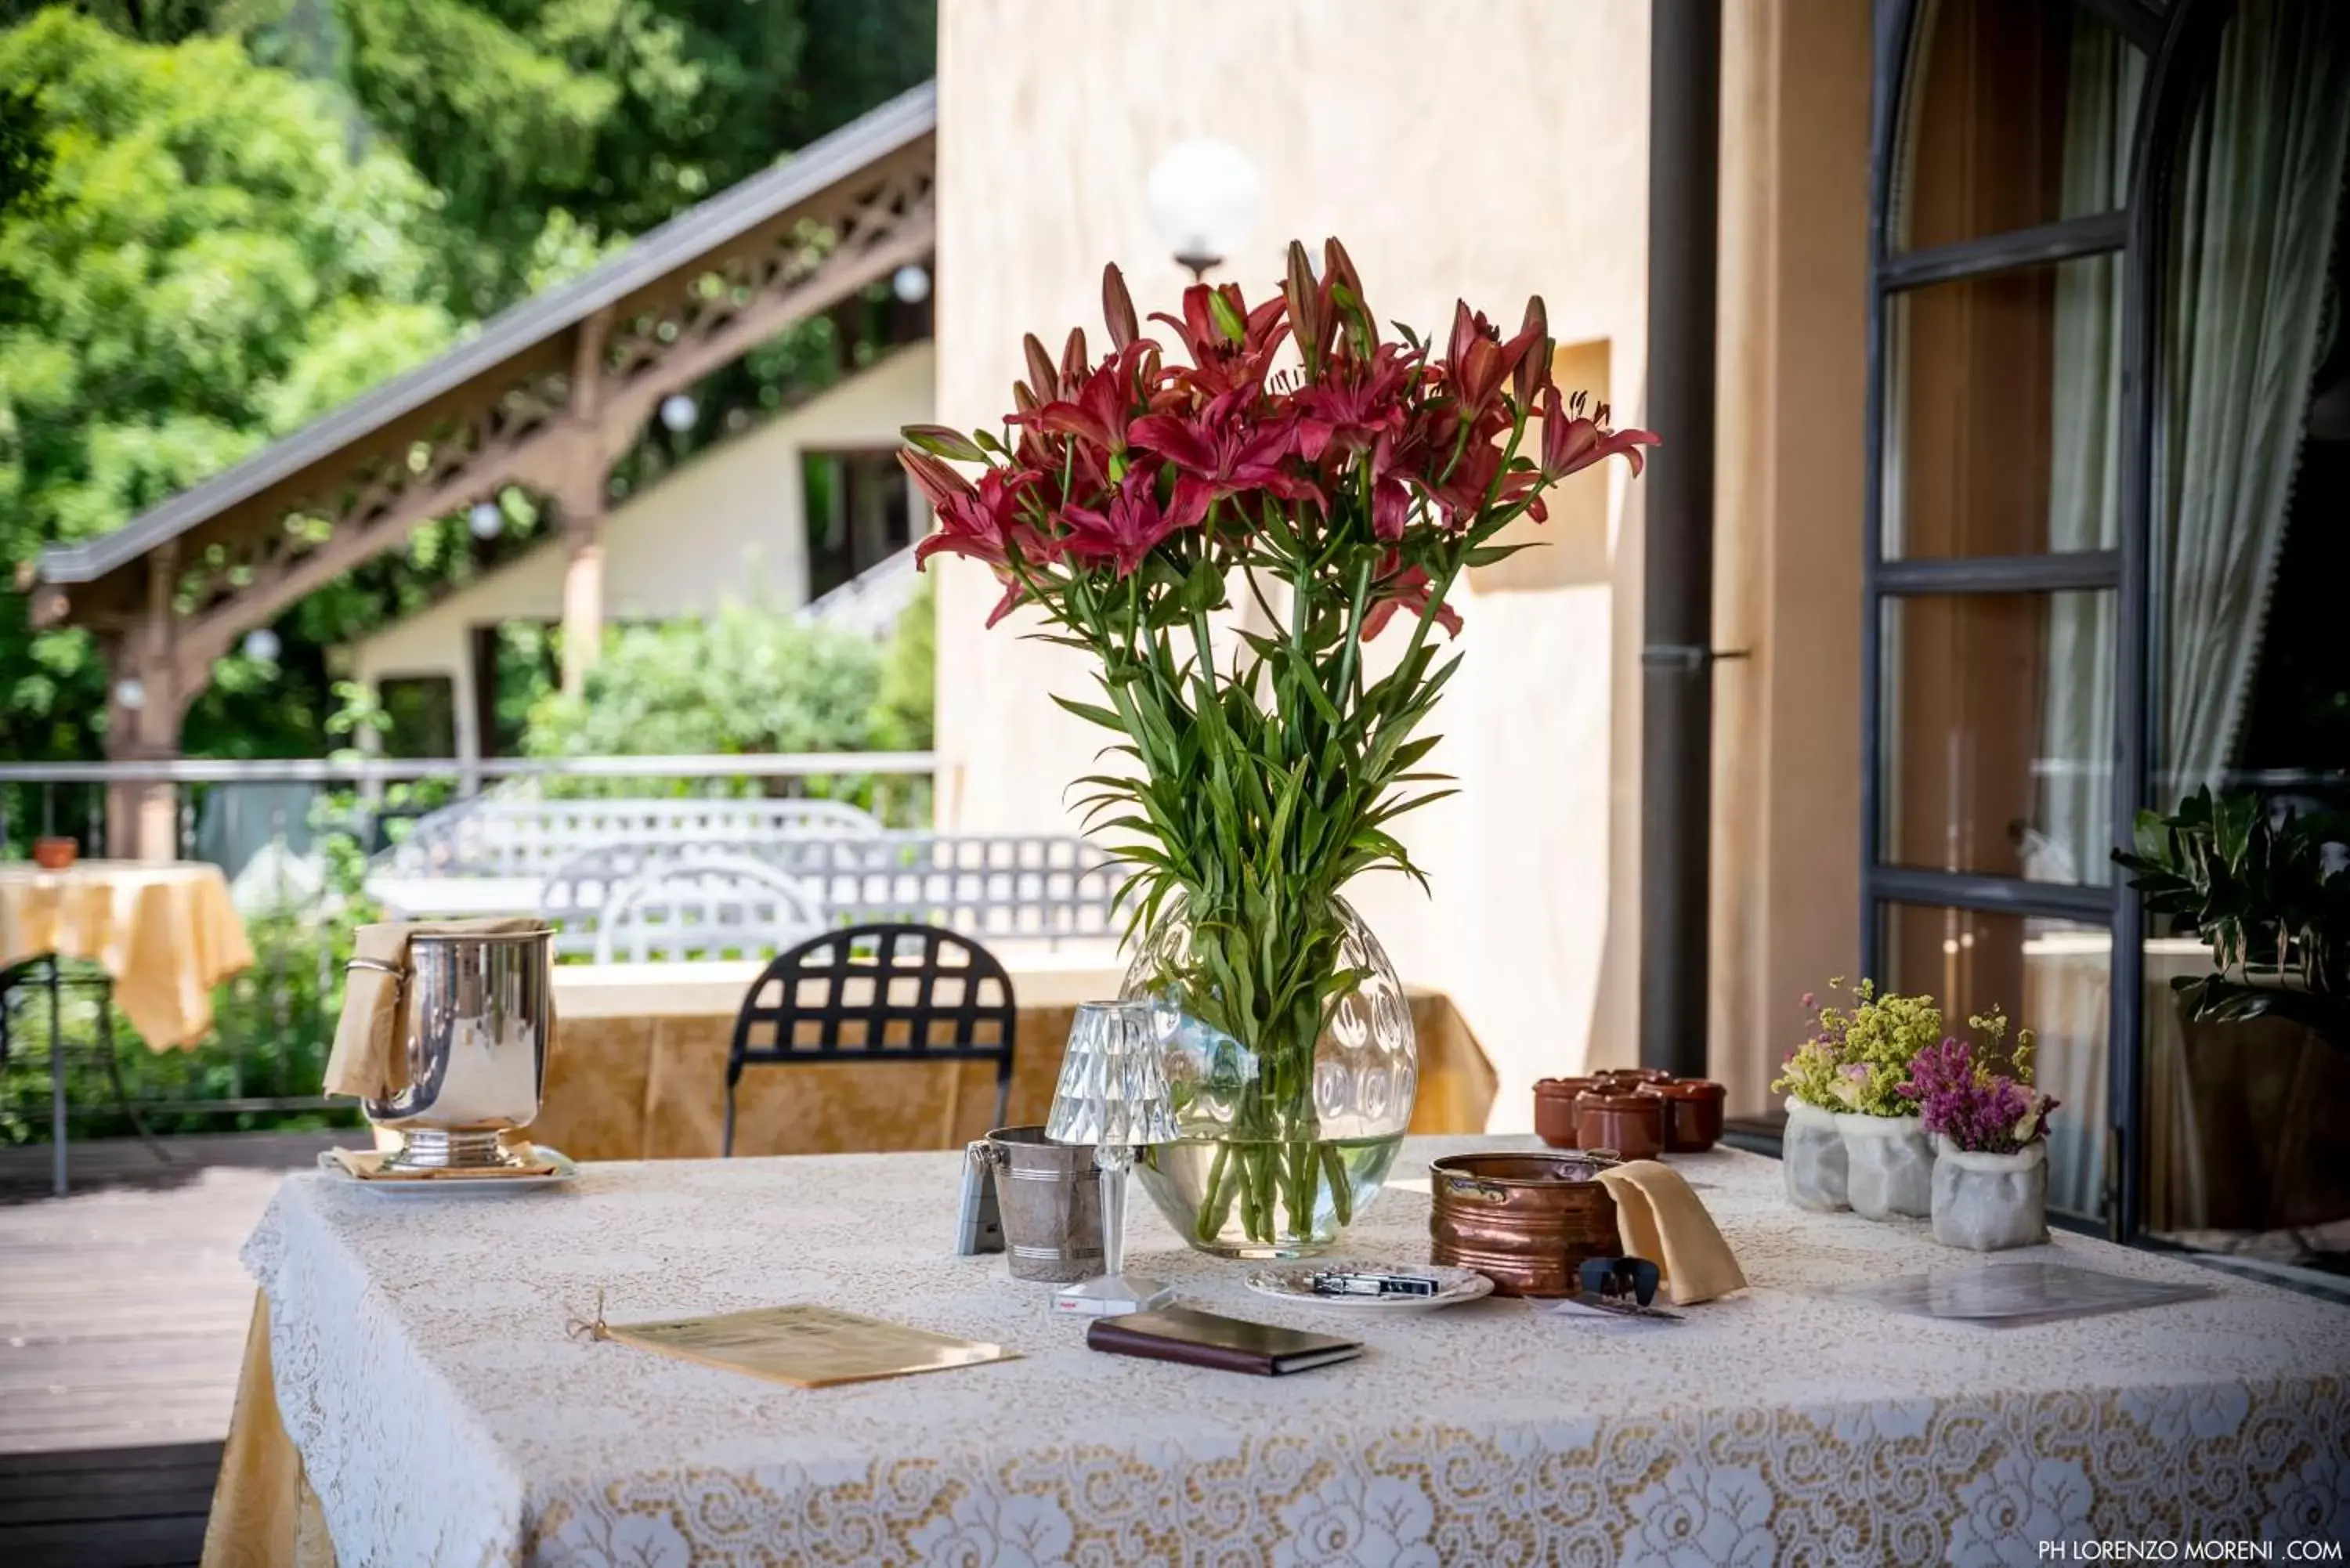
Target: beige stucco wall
{"x":1487,"y":149}
{"x":730,"y":524}
{"x":1786,"y":795}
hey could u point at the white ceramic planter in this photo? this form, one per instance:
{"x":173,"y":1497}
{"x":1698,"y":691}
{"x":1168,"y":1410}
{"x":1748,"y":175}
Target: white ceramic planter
{"x":1889,"y":1164}
{"x":1811,"y":1158}
{"x":1991,"y":1201}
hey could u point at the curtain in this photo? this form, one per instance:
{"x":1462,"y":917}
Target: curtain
{"x":2258,"y":184}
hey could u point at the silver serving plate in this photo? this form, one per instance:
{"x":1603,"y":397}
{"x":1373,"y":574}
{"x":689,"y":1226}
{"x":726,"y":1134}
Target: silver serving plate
{"x":1293,"y":1282}
{"x":566,"y":1170}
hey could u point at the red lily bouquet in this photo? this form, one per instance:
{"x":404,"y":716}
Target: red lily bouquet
{"x":1340,"y":480}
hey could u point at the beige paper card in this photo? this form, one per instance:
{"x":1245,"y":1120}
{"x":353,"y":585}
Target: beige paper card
{"x":807,"y":1346}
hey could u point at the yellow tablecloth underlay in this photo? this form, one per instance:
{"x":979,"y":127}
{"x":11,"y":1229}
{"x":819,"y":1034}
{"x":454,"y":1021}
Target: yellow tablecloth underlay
{"x":166,"y":934}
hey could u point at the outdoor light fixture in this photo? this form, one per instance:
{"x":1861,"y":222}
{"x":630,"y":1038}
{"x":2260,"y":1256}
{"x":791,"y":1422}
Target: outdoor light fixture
{"x":261,"y":645}
{"x":486,"y":521}
{"x":911,"y":283}
{"x":131,"y":692}
{"x":677,"y":411}
{"x":1205,"y":200}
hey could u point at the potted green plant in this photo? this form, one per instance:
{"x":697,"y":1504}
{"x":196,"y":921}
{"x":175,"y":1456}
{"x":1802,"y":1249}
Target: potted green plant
{"x":1990,"y":1141}
{"x":1810,"y":1150}
{"x":2261,"y":892}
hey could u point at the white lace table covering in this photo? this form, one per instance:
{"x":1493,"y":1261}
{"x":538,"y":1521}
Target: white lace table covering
{"x":444,"y":1418}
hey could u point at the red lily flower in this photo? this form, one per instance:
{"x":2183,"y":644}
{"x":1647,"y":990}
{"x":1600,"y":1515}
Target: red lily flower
{"x":1217,"y":453}
{"x":1478,"y":361}
{"x":1572,"y":442}
{"x":1221,"y":364}
{"x":1128,"y":530}
{"x":1099,"y":413}
{"x":1406,"y":590}
{"x":1355,"y":403}
{"x":983,"y":523}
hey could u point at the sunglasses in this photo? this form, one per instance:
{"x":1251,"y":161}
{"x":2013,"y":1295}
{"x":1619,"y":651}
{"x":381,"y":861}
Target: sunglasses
{"x":1619,"y":1282}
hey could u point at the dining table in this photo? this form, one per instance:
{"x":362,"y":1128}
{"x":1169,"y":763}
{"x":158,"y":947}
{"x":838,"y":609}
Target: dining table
{"x":163,"y":933}
{"x":423,"y":1387}
{"x":638,"y":1066}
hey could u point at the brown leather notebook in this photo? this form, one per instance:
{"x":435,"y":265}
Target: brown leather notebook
{"x":1209,"y":1339}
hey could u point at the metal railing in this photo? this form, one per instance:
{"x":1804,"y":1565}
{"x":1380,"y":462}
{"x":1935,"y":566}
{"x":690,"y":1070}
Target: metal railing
{"x":293,"y":838}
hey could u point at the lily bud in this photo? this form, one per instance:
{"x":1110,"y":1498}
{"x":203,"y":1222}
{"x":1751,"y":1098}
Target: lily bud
{"x":1117,"y":308}
{"x":1532,"y":373}
{"x":1073,"y":359}
{"x":1041,"y":373}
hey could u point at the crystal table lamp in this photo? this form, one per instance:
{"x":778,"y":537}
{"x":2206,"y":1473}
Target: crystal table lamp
{"x":1113,"y":1094}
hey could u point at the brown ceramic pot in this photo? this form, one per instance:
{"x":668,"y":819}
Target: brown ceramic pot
{"x":1629,"y":1122}
{"x":1555,"y":1109}
{"x":1526,"y":1222}
{"x":1693,"y":1113}
{"x":55,"y":854}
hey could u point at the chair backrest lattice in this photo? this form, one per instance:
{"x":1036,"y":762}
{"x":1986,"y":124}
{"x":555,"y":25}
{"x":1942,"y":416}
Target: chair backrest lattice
{"x":891,"y":992}
{"x":522,"y":837}
{"x":995,"y":886}
{"x":704,"y":906}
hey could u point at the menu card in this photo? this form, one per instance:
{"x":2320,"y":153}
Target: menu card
{"x":806,"y":1345}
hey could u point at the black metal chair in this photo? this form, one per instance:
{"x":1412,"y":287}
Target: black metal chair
{"x":880,"y":992}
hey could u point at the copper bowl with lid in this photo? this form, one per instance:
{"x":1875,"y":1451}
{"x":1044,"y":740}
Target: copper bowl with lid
{"x":1526,"y":1222}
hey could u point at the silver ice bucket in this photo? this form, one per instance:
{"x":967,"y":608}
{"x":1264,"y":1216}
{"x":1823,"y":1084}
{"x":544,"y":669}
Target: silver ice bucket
{"x":480,"y":1016}
{"x":1049,"y":1195}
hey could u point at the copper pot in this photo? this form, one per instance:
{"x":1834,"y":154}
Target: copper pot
{"x":1526,"y":1222}
{"x":1692,"y":1111}
{"x":1555,"y":1109}
{"x":1627,"y":1121}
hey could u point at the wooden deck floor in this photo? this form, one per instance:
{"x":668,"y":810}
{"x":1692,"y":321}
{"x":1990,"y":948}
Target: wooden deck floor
{"x":122,"y":1319}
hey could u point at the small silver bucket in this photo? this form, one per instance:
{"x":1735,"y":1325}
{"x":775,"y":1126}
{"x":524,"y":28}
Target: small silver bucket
{"x":479,"y":1018}
{"x":1049,"y":1196}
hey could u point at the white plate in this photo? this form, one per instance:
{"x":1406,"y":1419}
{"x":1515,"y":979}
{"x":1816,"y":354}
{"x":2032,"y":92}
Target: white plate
{"x":566,"y":1170}
{"x":1288,"y":1283}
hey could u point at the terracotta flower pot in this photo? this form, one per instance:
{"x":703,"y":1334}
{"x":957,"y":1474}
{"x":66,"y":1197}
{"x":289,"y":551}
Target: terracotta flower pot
{"x":55,"y":854}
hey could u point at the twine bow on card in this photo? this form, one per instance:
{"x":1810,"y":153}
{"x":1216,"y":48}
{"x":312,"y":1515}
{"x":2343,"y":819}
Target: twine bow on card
{"x":578,"y":1327}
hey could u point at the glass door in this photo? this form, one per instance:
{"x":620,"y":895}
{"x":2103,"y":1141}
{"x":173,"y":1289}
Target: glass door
{"x":1993,"y":576}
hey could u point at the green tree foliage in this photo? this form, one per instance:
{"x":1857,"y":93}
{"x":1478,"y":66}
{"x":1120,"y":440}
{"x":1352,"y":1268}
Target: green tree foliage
{"x":746,"y":678}
{"x":615,"y":114}
{"x":208,"y":266}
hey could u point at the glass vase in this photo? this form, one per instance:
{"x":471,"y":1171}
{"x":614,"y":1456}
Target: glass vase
{"x":1291,"y":1105}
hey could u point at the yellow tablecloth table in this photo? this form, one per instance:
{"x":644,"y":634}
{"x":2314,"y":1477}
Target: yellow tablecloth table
{"x":639,"y":1070}
{"x":166,"y":934}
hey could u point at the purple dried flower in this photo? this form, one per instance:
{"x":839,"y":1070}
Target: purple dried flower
{"x":1811,"y":1000}
{"x":1978,"y":1111}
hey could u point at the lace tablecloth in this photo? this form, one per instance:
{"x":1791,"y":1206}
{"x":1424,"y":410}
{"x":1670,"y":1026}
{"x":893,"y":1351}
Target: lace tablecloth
{"x":443,"y":1416}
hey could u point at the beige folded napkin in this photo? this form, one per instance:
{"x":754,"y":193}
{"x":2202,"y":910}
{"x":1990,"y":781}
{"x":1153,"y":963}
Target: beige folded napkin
{"x":1659,"y":1218}
{"x":369,"y":1056}
{"x":367,"y":1165}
